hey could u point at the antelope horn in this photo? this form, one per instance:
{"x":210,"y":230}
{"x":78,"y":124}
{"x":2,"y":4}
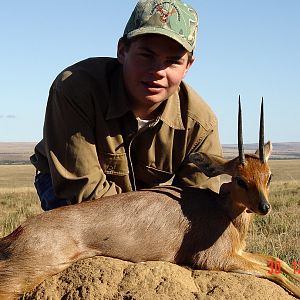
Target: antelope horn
{"x":240,"y":135}
{"x":261,"y":132}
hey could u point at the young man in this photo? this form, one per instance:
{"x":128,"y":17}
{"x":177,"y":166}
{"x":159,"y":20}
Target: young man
{"x":114,"y":125}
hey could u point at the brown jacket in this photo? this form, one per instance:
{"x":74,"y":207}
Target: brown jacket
{"x":91,"y":145}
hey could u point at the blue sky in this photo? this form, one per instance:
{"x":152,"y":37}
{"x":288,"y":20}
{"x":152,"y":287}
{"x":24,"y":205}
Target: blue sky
{"x":251,"y":48}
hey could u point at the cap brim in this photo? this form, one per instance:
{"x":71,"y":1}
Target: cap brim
{"x":162,"y":31}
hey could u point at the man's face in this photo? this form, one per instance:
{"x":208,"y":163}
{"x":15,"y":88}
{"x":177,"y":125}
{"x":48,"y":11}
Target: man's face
{"x":153,"y":68}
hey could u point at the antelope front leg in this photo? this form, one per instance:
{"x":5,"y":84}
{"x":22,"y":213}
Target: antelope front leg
{"x":253,"y":264}
{"x":264,"y":260}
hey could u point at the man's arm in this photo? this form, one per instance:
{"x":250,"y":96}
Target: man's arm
{"x":69,"y":138}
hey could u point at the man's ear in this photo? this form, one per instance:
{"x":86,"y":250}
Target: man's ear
{"x":121,"y":51}
{"x":189,"y":64}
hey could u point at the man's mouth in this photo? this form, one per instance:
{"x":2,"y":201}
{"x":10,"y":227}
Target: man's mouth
{"x":151,"y":84}
{"x":152,"y":87}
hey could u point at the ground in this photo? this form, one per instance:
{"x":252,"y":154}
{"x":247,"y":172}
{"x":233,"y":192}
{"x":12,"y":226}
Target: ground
{"x":108,"y":278}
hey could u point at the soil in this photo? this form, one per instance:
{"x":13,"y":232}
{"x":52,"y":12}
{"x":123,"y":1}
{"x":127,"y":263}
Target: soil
{"x":109,"y":278}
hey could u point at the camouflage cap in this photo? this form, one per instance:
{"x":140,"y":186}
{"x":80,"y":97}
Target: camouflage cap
{"x":172,"y":18}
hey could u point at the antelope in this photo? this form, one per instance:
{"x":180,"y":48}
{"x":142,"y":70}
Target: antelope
{"x":186,"y":226}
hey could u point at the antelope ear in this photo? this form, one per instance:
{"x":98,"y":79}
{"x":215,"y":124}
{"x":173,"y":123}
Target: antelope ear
{"x":267,"y":150}
{"x":210,"y":165}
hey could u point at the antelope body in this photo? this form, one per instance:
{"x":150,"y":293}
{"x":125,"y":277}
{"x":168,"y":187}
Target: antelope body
{"x":188,"y":226}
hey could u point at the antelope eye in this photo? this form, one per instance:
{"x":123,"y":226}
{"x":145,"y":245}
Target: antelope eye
{"x":269,"y":180}
{"x":241,"y":183}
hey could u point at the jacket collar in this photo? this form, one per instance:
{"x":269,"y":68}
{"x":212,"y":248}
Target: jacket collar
{"x":171,"y":114}
{"x":118,"y":104}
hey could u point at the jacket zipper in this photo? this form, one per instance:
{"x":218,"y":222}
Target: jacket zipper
{"x":152,"y":124}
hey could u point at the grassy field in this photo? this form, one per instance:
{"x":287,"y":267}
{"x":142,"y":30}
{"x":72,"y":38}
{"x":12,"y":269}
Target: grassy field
{"x":18,"y":199}
{"x":277,"y":233}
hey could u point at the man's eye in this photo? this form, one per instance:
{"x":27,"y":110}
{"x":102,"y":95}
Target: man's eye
{"x":146,"y":55}
{"x":173,"y":62}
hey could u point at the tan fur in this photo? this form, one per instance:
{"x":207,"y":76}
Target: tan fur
{"x":186,"y":226}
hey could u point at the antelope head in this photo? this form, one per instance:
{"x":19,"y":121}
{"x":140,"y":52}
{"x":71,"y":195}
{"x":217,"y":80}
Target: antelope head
{"x":251,"y":175}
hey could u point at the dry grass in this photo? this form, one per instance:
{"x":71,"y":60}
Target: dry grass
{"x":285,"y":170}
{"x":18,"y":199}
{"x":16,"y":176}
{"x":277,"y":233}
{"x":16,"y":207}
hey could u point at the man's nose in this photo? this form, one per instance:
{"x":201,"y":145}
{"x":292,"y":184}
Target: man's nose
{"x":158,"y":69}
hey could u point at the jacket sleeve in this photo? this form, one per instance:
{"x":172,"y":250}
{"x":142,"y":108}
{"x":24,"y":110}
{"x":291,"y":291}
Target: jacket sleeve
{"x":188,"y":174}
{"x":69,"y":139}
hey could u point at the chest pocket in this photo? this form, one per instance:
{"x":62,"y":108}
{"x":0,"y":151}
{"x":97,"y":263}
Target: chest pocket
{"x":114,"y":164}
{"x":148,"y":176}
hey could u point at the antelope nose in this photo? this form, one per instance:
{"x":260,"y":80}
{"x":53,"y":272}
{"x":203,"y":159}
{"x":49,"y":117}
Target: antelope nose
{"x":264,"y":207}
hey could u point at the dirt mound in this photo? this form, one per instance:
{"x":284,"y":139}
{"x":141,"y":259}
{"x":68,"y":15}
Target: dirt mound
{"x":108,"y":278}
